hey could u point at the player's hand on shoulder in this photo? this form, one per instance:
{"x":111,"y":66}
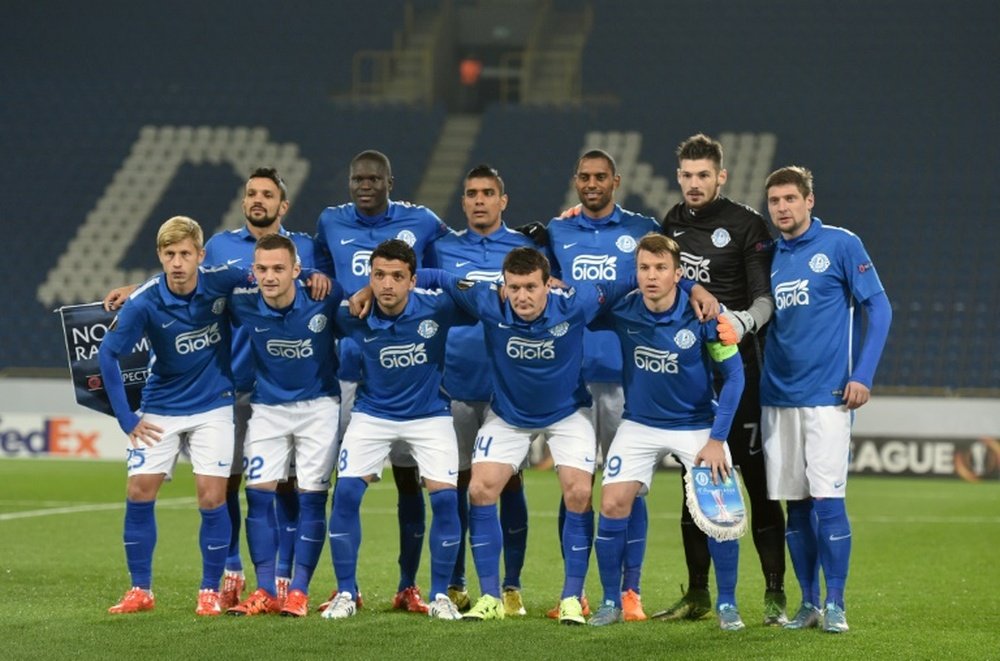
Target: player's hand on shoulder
{"x":145,"y":433}
{"x":360,"y":304}
{"x":319,"y":286}
{"x":705,"y":305}
{"x":535,"y":231}
{"x":556,"y":283}
{"x":572,"y":212}
{"x":733,"y":326}
{"x":713,"y":455}
{"x":856,"y":395}
{"x":117,"y":297}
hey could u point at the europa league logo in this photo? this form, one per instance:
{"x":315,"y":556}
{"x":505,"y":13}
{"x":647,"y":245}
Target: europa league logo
{"x":980,"y":460}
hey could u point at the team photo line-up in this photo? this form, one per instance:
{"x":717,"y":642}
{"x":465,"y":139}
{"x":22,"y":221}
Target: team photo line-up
{"x":616,"y":338}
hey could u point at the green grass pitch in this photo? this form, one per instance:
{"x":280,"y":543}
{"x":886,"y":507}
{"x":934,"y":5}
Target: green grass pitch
{"x":924,"y":583}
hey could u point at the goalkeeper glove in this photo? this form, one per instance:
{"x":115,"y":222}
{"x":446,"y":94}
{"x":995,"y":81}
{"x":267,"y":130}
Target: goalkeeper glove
{"x":733,"y":325}
{"x":536,"y":232}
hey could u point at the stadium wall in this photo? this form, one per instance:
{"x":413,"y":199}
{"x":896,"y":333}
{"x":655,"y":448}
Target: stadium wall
{"x":905,"y":436}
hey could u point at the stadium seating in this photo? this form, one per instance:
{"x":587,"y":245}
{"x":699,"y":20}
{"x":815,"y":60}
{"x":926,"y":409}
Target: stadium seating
{"x":867,"y":95}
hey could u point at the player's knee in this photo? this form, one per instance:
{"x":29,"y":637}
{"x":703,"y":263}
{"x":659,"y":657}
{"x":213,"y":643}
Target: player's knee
{"x":482,"y":493}
{"x":348,"y":493}
{"x":577,"y":496}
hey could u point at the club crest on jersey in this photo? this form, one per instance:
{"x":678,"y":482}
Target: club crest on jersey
{"x":684,"y":339}
{"x":521,"y":348}
{"x":361,"y":263}
{"x":595,"y":267}
{"x":655,"y":361}
{"x":292,"y":349}
{"x":788,"y":294}
{"x":695,"y":267}
{"x":402,"y":355}
{"x":317,"y":323}
{"x":625,"y":243}
{"x":559,"y":329}
{"x":197,"y":340}
{"x":721,"y":238}
{"x":219,"y":305}
{"x":408,"y":237}
{"x":819,"y":263}
{"x":427,"y":329}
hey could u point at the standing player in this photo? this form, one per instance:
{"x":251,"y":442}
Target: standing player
{"x":265,"y":203}
{"x":399,"y":402}
{"x":726,"y":247}
{"x":348,"y":234}
{"x":598,"y":244}
{"x":814,"y":377}
{"x":187,"y":399}
{"x":534,"y":341}
{"x":296,"y":409}
{"x":669,"y":408}
{"x":477,"y":254}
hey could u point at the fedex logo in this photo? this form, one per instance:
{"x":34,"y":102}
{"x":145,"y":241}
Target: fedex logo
{"x":361,"y":263}
{"x":595,"y":267}
{"x":794,"y":292}
{"x":58,"y":437}
{"x":696,"y":267}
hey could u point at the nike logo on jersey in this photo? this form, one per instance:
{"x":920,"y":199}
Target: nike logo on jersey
{"x":567,"y":246}
{"x":230,"y":262}
{"x":499,"y":325}
{"x":260,"y":330}
{"x":371,"y":339}
{"x":679,"y":232}
{"x":837,"y":538}
{"x":459,"y":265}
{"x":169,"y":323}
{"x":632,"y":332}
{"x":290,"y":528}
{"x":344,"y":242}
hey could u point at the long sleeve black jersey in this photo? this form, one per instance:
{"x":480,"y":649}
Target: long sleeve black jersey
{"x":727,"y":248}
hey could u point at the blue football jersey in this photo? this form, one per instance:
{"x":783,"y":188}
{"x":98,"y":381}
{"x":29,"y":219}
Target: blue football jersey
{"x":402,"y":357}
{"x":236,"y":248}
{"x":347,"y":238}
{"x":587,"y":250}
{"x":294,"y":349}
{"x":473,"y":256}
{"x":189,"y":338}
{"x":668,"y":368}
{"x":536,"y":365}
{"x":811,"y":347}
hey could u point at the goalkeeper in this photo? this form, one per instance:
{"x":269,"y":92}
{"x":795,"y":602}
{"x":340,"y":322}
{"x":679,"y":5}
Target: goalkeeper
{"x":727,"y":248}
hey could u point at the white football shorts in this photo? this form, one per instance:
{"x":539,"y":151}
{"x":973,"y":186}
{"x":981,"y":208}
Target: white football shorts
{"x":303,"y":431}
{"x":806,"y":451}
{"x":637,"y":450}
{"x":571,"y":442}
{"x":208,"y":438}
{"x":369,"y":440}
